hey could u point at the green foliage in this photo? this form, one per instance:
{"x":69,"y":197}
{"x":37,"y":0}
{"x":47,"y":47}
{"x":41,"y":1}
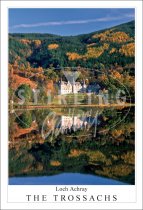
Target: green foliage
{"x":105,"y":155}
{"x":24,"y":91}
{"x":24,"y":120}
{"x":18,"y":49}
{"x":44,"y":57}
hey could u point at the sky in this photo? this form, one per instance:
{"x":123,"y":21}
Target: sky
{"x":66,"y":21}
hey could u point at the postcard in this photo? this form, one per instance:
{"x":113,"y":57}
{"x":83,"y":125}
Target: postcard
{"x":71,"y":108}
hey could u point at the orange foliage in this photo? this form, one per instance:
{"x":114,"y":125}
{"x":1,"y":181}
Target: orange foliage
{"x":92,"y":52}
{"x":129,"y":157}
{"x":102,"y":36}
{"x":37,"y":70}
{"x":55,"y":163}
{"x":39,"y":77}
{"x":21,"y":131}
{"x":73,"y":56}
{"x":75,"y":153}
{"x":113,"y":50}
{"x":17,"y":81}
{"x":102,"y":77}
{"x":128,"y":49}
{"x":53,"y":46}
{"x":118,"y":37}
{"x":116,"y":133}
{"x":50,"y":86}
{"x":37,"y":42}
{"x":105,"y":46}
{"x":129,"y":80}
{"x":25,"y":41}
{"x":116,"y":74}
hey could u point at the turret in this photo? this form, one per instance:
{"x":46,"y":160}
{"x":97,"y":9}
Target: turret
{"x":84,"y":85}
{"x":73,"y":86}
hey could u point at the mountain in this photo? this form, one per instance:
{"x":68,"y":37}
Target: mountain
{"x":109,"y":47}
{"x":37,"y":60}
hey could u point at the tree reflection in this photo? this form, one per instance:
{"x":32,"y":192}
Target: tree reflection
{"x":110,"y":153}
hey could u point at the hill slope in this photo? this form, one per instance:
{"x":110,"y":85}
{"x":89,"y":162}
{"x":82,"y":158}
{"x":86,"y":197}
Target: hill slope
{"x":105,"y":47}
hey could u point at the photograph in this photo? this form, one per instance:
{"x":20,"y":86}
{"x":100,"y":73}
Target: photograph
{"x":71,"y":96}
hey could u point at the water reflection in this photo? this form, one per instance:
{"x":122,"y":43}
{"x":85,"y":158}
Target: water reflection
{"x":66,"y":124}
{"x":51,"y":142}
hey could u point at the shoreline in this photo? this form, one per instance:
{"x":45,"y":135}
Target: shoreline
{"x":69,"y":106}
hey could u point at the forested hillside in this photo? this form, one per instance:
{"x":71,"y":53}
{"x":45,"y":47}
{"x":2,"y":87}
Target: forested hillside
{"x":38,"y":58}
{"x":107,"y":47}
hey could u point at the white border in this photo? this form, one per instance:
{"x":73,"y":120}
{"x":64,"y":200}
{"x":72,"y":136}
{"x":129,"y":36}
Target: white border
{"x":124,"y":191}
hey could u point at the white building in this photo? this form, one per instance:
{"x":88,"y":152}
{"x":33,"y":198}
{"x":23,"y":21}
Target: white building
{"x":67,"y":122}
{"x":70,"y":87}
